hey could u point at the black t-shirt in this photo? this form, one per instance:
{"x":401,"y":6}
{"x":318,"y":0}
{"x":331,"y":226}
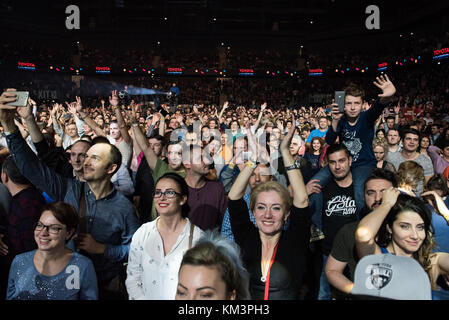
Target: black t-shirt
{"x":339,"y":208}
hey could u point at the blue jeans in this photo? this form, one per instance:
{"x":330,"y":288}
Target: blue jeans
{"x":359,"y":176}
{"x":325,"y":290}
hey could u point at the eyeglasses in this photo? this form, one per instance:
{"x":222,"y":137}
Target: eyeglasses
{"x":53,"y":228}
{"x":169,"y":194}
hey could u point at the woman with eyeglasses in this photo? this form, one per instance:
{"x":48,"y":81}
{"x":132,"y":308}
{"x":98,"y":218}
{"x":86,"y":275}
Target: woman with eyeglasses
{"x":158,"y":246}
{"x":53,"y":271}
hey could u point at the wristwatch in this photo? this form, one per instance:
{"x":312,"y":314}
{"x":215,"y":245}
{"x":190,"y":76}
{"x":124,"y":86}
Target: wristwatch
{"x":293,"y":166}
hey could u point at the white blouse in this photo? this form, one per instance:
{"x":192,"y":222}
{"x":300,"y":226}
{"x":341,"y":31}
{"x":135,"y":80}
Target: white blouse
{"x":150,"y":274}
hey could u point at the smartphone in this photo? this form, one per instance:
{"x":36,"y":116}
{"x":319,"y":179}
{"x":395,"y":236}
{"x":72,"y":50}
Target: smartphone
{"x":340,"y":100}
{"x":22,"y":99}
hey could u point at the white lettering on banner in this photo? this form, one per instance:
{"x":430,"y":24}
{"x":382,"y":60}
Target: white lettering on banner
{"x":373,"y":20}
{"x":341,"y":205}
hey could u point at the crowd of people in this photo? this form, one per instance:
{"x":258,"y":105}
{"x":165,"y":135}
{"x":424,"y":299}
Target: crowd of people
{"x":237,"y":191}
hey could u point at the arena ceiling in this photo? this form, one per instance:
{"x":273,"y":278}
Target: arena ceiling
{"x":211,"y":21}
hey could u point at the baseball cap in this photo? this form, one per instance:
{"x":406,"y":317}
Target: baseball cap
{"x":386,"y":276}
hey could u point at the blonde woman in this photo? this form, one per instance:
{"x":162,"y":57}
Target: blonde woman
{"x":380,"y":150}
{"x":275,"y":258}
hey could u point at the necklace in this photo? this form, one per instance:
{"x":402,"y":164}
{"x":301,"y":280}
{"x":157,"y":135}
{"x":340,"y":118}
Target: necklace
{"x":266,"y":265}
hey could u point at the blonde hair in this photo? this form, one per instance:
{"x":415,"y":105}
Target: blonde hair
{"x":271,"y":186}
{"x":410,"y":173}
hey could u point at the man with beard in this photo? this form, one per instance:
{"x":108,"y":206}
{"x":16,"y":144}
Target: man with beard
{"x":339,"y":206}
{"x":343,"y":258}
{"x":207,"y":199}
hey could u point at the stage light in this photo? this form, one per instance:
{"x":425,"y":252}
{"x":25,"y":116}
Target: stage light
{"x":268,"y":72}
{"x":144,"y":70}
{"x":336,"y":70}
{"x":57,"y":69}
{"x":71,"y":68}
{"x":221,"y":72}
{"x":356,"y":69}
{"x":397,"y":62}
{"x":149,"y":71}
{"x":81,"y":69}
{"x":347,"y":69}
{"x":51,"y":67}
{"x":363,"y":70}
{"x":165,"y":18}
{"x":366,"y":68}
{"x":196,"y":70}
{"x":124,"y":70}
{"x":224,"y":70}
{"x":416,"y":61}
{"x":62,"y":68}
{"x":419,"y":57}
{"x":342,"y":71}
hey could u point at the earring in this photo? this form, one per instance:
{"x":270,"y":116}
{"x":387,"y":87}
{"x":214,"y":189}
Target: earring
{"x":388,"y":236}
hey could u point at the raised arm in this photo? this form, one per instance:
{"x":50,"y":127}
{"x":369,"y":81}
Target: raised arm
{"x":26,"y":114}
{"x":262,"y":109}
{"x":300,"y":198}
{"x":113,"y":101}
{"x":88,"y":120}
{"x":369,"y":226}
{"x":142,"y":141}
{"x":225,"y":105}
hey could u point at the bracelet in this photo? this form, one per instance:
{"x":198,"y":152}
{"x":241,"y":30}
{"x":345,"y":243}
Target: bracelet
{"x":231,"y":165}
{"x":251,"y":164}
{"x":135,"y":124}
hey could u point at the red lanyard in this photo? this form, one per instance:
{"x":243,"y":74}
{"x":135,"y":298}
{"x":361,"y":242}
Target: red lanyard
{"x":267,"y":282}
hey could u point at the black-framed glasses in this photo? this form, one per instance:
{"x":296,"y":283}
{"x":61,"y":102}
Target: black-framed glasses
{"x":53,"y":228}
{"x":168,"y":194}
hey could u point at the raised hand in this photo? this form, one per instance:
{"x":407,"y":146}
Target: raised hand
{"x":113,"y":99}
{"x":285,"y":144}
{"x":7,"y":97}
{"x":78,"y":104}
{"x":384,"y":83}
{"x":390,"y":196}
{"x":263,"y":106}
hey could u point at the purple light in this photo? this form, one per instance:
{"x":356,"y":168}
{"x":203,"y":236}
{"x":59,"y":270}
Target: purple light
{"x":273,"y":73}
{"x":400,"y":63}
{"x":357,"y":69}
{"x":57,"y":69}
{"x":342,"y":71}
